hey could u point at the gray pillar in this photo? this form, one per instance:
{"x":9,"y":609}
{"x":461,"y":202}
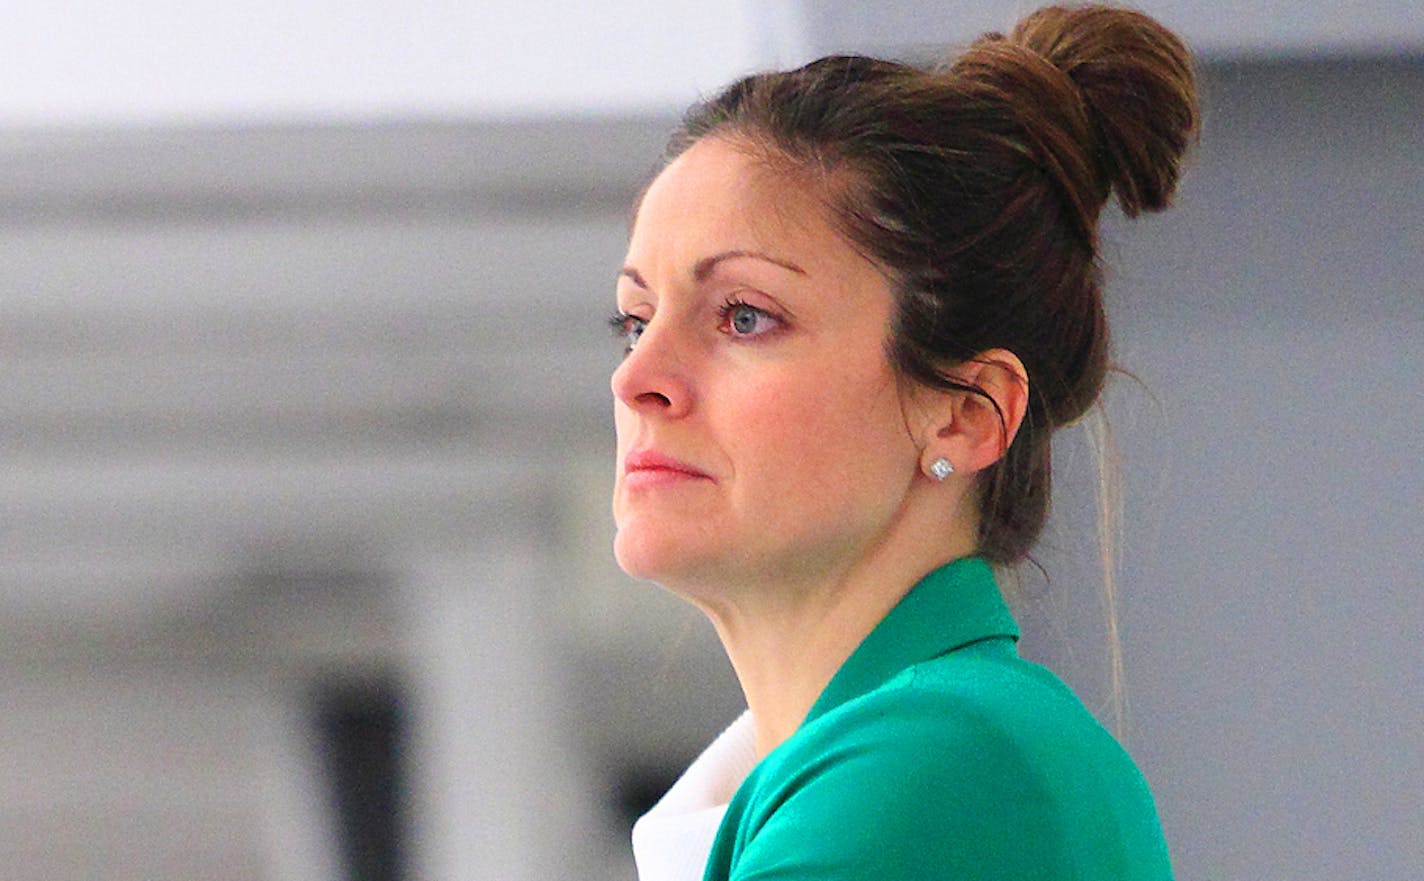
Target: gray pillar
{"x":497,"y":788}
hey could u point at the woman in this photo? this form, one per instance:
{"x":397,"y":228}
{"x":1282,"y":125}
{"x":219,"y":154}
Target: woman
{"x":857,"y":302}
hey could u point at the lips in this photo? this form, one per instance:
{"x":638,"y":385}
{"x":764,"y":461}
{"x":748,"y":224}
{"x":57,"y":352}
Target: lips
{"x":650,"y":464}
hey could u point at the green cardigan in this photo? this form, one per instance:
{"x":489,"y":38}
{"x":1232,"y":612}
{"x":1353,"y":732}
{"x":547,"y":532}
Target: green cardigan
{"x":936,"y":752}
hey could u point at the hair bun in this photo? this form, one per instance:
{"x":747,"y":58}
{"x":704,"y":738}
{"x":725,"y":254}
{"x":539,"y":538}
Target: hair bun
{"x":1138,"y":87}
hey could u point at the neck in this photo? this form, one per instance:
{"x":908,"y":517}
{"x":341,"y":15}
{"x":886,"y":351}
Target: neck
{"x":786,"y":637}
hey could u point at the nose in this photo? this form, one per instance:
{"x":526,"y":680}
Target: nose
{"x":654,"y":377}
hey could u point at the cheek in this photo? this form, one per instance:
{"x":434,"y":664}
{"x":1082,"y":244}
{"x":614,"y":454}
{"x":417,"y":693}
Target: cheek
{"x":824,"y":441}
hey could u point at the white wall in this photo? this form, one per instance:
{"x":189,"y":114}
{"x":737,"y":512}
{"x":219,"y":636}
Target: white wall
{"x":82,"y":63}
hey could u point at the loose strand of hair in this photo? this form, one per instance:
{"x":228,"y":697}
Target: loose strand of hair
{"x":1108,"y":497}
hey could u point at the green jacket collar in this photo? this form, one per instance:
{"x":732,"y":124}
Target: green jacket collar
{"x":953,"y":606}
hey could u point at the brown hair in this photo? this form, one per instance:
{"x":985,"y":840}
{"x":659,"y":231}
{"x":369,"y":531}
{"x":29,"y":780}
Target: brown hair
{"x":977,"y":187}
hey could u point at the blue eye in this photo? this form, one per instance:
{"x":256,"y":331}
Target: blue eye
{"x":627,"y":328}
{"x":742,"y":319}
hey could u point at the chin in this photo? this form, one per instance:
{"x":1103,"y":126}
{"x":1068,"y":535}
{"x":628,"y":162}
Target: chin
{"x":641,"y":556}
{"x":655,"y":555}
{"x":651,"y":544}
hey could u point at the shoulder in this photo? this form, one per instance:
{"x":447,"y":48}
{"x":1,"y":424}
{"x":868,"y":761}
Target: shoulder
{"x":938,"y":749}
{"x":981,"y":701}
{"x":940,"y":772}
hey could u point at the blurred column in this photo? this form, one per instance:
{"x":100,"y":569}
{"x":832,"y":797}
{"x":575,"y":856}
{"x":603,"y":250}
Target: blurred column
{"x":302,"y":843}
{"x":497,"y":788}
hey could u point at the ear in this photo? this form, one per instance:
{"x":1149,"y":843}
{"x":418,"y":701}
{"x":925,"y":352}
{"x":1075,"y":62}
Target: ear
{"x":967,"y":428}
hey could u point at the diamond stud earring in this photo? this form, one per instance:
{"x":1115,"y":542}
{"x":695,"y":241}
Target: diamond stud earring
{"x":941,"y":468}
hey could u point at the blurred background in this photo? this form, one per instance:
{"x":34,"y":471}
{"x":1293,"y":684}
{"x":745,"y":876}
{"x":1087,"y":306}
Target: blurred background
{"x":305,"y":438}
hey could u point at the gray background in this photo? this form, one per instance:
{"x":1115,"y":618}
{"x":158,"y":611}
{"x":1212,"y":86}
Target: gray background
{"x":295,"y":403}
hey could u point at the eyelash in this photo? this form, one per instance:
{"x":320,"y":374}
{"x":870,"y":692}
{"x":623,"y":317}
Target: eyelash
{"x":628,"y":327}
{"x":622,"y":324}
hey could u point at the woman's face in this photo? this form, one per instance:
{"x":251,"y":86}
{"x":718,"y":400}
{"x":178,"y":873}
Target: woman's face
{"x":760,"y":433}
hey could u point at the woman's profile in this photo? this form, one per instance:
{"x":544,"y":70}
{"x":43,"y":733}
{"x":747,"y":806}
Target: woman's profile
{"x":858,"y":300}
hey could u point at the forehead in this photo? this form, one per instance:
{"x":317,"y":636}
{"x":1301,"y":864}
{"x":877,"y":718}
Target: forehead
{"x":721,"y":196}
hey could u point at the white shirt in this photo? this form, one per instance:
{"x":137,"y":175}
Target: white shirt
{"x":671,"y":842}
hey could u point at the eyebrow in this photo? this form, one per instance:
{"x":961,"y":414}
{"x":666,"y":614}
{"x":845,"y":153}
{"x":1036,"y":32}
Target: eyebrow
{"x":705,"y":266}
